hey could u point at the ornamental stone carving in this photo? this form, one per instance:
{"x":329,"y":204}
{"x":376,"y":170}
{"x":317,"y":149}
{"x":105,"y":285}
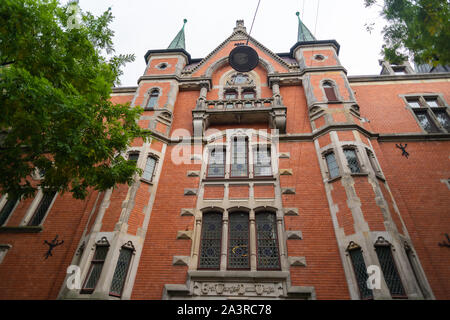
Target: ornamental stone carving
{"x":238,"y":289}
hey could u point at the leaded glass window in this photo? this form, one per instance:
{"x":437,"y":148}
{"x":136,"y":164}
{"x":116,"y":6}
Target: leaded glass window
{"x":414,"y":103}
{"x":425,"y":122}
{"x":121,"y":271}
{"x":352,"y":160}
{"x":216,"y":165}
{"x":239,"y":158}
{"x":262,"y":161}
{"x":359,"y":267}
{"x":211,"y":241}
{"x":7,"y":209}
{"x":333,"y":167}
{"x":96,"y":268}
{"x":443,"y":119}
{"x":149,"y":169}
{"x":432,"y":102}
{"x":238,"y":241}
{"x":42,"y":208}
{"x":267,"y":241}
{"x":389,"y":269}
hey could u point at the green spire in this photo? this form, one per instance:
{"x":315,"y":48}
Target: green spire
{"x":303,"y":32}
{"x":178,"y":42}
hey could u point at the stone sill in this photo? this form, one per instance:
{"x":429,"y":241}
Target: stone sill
{"x":244,"y":179}
{"x":238,"y":275}
{"x":21,"y":229}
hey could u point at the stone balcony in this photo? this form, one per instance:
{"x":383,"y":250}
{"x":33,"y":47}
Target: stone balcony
{"x":246,"y":111}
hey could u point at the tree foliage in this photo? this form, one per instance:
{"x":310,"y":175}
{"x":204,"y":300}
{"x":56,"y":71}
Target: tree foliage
{"x":56,"y":114}
{"x":416,"y":28}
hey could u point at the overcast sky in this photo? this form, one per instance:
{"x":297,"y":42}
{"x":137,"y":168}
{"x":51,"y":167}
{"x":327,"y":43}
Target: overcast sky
{"x":141,"y":25}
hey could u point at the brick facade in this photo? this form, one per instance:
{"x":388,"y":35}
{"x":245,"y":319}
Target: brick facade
{"x":383,"y":196}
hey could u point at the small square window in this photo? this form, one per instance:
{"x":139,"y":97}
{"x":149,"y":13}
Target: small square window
{"x":399,"y":70}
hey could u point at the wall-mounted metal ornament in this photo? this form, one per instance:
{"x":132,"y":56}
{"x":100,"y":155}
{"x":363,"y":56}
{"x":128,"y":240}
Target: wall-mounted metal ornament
{"x":403,"y":148}
{"x":243,"y":58}
{"x":445,"y":243}
{"x":54,"y":243}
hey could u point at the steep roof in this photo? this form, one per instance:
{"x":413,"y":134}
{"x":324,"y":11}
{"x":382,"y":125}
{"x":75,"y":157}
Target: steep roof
{"x":179,"y":41}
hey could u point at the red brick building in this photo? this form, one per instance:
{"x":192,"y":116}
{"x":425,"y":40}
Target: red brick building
{"x":292,"y":180}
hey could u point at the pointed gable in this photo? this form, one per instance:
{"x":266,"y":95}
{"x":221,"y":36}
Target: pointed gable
{"x":271,"y":61}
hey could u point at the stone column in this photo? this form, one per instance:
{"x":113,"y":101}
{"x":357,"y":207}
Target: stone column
{"x":252,"y":249}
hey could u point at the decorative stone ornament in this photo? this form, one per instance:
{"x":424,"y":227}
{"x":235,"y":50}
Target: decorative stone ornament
{"x":243,"y":58}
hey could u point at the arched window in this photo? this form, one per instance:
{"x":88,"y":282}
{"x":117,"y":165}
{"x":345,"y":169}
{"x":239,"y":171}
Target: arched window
{"x":238,"y":241}
{"x":152,"y":99}
{"x":267,"y":241}
{"x":387,"y":264}
{"x":211,"y":241}
{"x":330,"y":92}
{"x":95,"y":270}
{"x":359,"y":268}
{"x":7,"y":209}
{"x":121,"y":271}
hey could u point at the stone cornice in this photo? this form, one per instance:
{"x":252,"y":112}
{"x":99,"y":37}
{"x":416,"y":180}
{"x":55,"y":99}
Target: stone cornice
{"x":194,"y":82}
{"x":119,"y":90}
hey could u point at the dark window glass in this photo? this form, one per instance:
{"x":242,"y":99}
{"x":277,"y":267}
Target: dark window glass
{"x":425,"y":122}
{"x":359,"y":267}
{"x":7,"y":209}
{"x":96,"y":269}
{"x":329,"y":91}
{"x":133,"y":156}
{"x":352,"y":160}
{"x":238,"y":241}
{"x":239,"y":158}
{"x":390,"y":272}
{"x":153,"y":99}
{"x":333,"y":167}
{"x":262,"y":161}
{"x":443,"y":119}
{"x":248,"y":95}
{"x":399,"y":70}
{"x":42,"y":208}
{"x":216,"y":166}
{"x":211,"y":241}
{"x":267,"y":241}
{"x":149,"y":169}
{"x":120,"y":273}
{"x":230,"y":95}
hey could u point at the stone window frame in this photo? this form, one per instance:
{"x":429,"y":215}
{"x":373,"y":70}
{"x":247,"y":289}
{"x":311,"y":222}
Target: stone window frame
{"x":253,"y":85}
{"x":382,"y":242}
{"x":374,"y":164}
{"x":33,"y":207}
{"x":231,"y":142}
{"x":103,"y":242}
{"x":228,"y":145}
{"x":335,"y":88}
{"x":361,"y":166}
{"x":126,"y":246}
{"x":209,"y":149}
{"x":253,"y":147}
{"x":148,"y":95}
{"x":355,"y":246}
{"x":3,"y":201}
{"x":325,"y":163}
{"x":155,"y":169}
{"x":252,"y":212}
{"x":211,"y":211}
{"x":417,"y":271}
{"x":425,"y":108}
